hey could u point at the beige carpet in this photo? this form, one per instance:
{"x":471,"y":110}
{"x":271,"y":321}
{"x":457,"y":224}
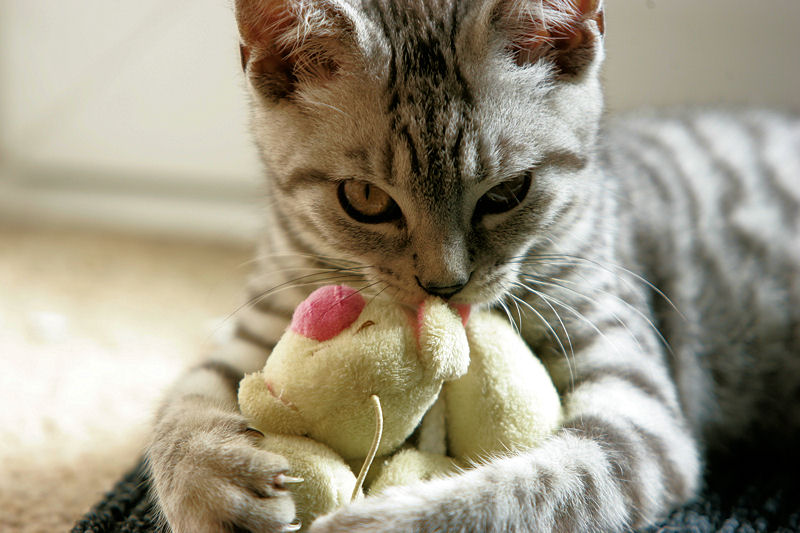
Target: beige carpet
{"x":92,"y":328}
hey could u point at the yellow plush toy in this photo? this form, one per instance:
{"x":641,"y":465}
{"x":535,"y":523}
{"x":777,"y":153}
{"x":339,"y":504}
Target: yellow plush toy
{"x":345,"y":368}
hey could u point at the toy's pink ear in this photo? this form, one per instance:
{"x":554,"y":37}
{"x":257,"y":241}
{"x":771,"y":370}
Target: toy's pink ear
{"x":463,"y":311}
{"x":327,"y":312}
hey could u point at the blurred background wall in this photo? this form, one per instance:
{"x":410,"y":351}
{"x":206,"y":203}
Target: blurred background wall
{"x":132,"y":114}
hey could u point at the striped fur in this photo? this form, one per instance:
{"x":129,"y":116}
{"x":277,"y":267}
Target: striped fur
{"x":427,"y":101}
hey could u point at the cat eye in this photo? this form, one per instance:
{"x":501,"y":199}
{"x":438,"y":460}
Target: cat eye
{"x":505,"y":196}
{"x":366,"y":203}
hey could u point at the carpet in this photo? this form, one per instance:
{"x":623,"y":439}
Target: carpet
{"x":93,"y":327}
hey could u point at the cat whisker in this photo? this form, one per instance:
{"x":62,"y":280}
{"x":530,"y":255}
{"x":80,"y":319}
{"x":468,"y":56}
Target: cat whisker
{"x":519,"y":316}
{"x":628,"y":305}
{"x":358,"y":291}
{"x":331,"y":261}
{"x":366,"y":288}
{"x":377,"y":294}
{"x":305,"y":281}
{"x":551,"y":330}
{"x":589,"y":299}
{"x":291,"y":284}
{"x":507,"y":311}
{"x":308,"y":260}
{"x":574,"y":263}
{"x":319,"y":257}
{"x":333,"y":275}
{"x":544,"y":296}
{"x":577,"y":261}
{"x":608,"y":266}
{"x":323,"y":104}
{"x":299,"y":269}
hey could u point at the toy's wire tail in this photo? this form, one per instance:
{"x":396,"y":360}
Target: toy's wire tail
{"x":376,"y":404}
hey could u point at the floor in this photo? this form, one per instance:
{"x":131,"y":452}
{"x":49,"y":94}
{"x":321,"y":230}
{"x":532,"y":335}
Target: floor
{"x":93,"y":327}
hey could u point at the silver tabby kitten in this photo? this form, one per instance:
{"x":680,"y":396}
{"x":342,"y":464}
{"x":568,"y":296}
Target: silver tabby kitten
{"x":454,"y":148}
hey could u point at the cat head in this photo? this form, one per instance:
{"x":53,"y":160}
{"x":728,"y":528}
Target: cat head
{"x":434,"y":142}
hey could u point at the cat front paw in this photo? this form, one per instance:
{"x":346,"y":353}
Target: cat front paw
{"x":209,"y":476}
{"x":397,"y":510}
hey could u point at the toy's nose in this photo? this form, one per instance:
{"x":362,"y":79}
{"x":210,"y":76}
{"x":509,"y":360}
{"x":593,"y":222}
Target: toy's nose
{"x":327,"y":312}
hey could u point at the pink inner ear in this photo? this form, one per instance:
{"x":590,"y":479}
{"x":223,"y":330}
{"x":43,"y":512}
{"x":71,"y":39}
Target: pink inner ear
{"x":537,"y":29}
{"x":327,"y":312}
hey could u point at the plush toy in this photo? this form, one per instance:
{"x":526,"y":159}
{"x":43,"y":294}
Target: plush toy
{"x":347,"y":367}
{"x":313,"y":399}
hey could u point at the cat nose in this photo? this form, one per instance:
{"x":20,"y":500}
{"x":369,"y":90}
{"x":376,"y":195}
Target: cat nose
{"x":442,"y":291}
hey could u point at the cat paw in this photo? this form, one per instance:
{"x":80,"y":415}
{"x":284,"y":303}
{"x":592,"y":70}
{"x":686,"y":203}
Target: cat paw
{"x":395,"y":511}
{"x":211,"y":477}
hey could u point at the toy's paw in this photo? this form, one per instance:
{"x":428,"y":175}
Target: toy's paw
{"x":209,"y":476}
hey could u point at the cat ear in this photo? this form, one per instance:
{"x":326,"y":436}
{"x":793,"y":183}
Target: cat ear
{"x":566,"y":32}
{"x":289,"y":42}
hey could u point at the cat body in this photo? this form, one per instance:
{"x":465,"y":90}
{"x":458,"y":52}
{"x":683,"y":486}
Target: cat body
{"x":455,"y":149}
{"x":725,"y":247}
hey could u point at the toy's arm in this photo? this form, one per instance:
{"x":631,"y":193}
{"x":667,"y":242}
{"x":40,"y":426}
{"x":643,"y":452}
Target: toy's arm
{"x":506,"y":401}
{"x":442,"y":340}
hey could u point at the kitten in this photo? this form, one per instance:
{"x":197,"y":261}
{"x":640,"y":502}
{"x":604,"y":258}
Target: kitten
{"x":454,"y":148}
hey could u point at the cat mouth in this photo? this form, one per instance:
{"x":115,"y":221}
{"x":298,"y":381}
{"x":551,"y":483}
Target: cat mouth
{"x":474,"y":296}
{"x":483,"y":292}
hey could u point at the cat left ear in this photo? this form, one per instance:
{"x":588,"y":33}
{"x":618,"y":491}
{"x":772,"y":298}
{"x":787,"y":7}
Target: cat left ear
{"x":286,"y":43}
{"x":567,"y":32}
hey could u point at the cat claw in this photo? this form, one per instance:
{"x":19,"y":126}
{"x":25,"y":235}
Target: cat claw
{"x":281,"y":480}
{"x":294,"y":526}
{"x":254,"y":432}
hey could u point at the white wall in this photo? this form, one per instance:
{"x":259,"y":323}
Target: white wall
{"x":131,"y":113}
{"x":145,"y":85}
{"x":665,"y":52}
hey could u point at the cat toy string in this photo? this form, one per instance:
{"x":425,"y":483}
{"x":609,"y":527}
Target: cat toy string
{"x":376,"y":404}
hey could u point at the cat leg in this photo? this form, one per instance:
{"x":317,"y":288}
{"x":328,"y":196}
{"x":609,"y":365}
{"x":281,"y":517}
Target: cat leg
{"x":207,"y":472}
{"x":623,"y":458}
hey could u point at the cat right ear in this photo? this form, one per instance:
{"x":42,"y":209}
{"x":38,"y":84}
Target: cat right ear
{"x":288,"y":43}
{"x":567,"y":33}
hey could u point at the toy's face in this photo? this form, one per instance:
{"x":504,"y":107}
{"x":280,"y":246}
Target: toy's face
{"x":340,"y":350}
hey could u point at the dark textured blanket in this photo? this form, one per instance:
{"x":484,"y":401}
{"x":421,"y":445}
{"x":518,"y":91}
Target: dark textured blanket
{"x":744,"y":491}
